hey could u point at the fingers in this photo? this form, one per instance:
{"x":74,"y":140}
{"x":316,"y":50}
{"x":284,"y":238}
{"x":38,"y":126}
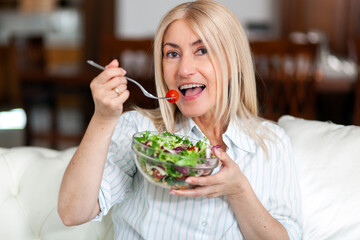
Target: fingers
{"x":108,"y":80}
{"x":216,"y":179}
{"x":119,"y":89}
{"x":222,"y":183}
{"x":199,"y":191}
{"x":112,"y":70}
{"x":109,"y":90}
{"x":209,"y":186}
{"x":101,"y":90}
{"x":118,"y":82}
{"x":221,"y":154}
{"x":117,"y":100}
{"x":113,"y":64}
{"x":109,"y":74}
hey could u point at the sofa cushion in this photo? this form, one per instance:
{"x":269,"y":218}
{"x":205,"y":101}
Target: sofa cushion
{"x":30,"y":179}
{"x":327,"y":156}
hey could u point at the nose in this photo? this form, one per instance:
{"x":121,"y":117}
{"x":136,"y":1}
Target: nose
{"x":187,"y":66}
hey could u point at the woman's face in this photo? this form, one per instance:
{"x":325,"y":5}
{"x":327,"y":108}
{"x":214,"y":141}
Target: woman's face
{"x":188,"y":69}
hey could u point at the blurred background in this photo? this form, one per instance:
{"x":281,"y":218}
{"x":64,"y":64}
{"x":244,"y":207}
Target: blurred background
{"x":306,"y":54}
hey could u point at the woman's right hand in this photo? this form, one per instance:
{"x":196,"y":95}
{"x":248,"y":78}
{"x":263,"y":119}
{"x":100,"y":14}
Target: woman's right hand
{"x":109,"y":103}
{"x":78,"y":197}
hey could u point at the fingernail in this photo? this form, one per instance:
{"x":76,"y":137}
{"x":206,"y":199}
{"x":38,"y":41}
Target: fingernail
{"x":188,"y":181}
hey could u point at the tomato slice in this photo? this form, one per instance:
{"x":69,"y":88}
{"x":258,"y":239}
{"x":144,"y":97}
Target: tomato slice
{"x":181,"y":178}
{"x":193,"y":148}
{"x":157,"y":174}
{"x":174,"y":94}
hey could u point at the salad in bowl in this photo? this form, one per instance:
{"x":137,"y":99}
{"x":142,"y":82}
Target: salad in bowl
{"x":167,"y":159}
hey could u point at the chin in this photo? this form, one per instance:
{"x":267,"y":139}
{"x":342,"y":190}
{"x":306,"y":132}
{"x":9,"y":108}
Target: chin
{"x":192,"y":112}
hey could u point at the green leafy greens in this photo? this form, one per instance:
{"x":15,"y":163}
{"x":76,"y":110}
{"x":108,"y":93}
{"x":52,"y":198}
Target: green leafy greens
{"x":169,"y":147}
{"x":169,"y":158}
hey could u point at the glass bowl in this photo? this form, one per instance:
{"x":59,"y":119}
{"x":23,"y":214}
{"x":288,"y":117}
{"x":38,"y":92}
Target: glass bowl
{"x":169,"y":167}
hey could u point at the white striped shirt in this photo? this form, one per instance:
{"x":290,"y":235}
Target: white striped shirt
{"x":141,"y":210}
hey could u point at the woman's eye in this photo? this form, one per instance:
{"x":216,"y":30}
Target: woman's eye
{"x":201,"y":51}
{"x":172,"y":54}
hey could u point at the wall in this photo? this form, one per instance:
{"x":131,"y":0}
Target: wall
{"x":139,"y":18}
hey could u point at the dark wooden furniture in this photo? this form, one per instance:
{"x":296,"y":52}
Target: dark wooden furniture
{"x":338,"y":19}
{"x":338,"y":99}
{"x":53,"y":89}
{"x":99,"y":21}
{"x":285,"y":74}
{"x":136,"y":57}
{"x":356,"y":117}
{"x":5,"y":91}
{"x":27,"y":66}
{"x":68,"y":87}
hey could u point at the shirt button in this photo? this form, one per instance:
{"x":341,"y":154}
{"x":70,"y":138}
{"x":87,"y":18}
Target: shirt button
{"x":204,"y":224}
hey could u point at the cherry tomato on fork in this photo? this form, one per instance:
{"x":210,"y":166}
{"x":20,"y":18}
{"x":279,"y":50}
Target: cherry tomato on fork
{"x":172,"y":93}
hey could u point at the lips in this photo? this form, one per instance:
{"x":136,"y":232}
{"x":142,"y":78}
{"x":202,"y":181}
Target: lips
{"x":189,"y":90}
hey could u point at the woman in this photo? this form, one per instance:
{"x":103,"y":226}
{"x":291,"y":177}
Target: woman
{"x":201,"y":50}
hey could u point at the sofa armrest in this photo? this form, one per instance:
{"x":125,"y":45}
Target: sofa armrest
{"x":30,"y":179}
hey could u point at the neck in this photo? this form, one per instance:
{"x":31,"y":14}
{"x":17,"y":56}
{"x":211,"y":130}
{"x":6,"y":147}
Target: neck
{"x":213,"y":131}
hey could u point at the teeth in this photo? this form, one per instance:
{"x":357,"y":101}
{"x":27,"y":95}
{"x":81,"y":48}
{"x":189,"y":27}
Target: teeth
{"x":186,"y":86}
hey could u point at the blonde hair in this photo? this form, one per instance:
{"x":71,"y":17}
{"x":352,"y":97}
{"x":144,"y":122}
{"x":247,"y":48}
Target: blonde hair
{"x":219,"y":28}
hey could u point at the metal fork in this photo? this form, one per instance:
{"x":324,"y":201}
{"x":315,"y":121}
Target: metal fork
{"x":146,"y":93}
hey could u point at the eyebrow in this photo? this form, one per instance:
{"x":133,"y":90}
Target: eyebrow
{"x":177,"y":46}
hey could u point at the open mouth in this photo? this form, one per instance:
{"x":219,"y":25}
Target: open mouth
{"x":189,"y":90}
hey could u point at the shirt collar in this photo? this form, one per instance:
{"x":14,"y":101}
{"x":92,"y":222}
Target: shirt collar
{"x":190,"y":129}
{"x":234,"y":133}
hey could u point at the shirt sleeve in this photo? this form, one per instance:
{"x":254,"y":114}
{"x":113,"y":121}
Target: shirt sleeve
{"x":285,"y":196}
{"x":119,"y":167}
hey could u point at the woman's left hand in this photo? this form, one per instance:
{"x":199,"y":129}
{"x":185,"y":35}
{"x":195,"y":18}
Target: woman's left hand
{"x":229,"y":181}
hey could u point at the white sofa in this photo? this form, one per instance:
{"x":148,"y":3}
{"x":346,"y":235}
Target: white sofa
{"x":327,"y":157}
{"x":30,"y":180}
